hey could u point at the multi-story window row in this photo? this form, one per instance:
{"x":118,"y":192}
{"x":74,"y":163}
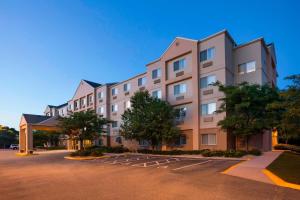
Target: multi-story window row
{"x":184,"y":76}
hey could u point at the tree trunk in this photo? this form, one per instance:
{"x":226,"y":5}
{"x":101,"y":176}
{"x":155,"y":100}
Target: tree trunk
{"x":247,"y":143}
{"x":81,"y":145}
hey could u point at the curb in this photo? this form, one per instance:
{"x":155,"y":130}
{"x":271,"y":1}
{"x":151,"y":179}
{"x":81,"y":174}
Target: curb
{"x":232,"y":167}
{"x":85,"y":158}
{"x":26,"y":154}
{"x":278,"y":181}
{"x":190,"y":156}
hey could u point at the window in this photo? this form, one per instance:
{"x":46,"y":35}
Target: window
{"x":246,"y":67}
{"x":100,"y":95}
{"x":114,"y":124}
{"x":156,"y":73}
{"x":114,"y":108}
{"x":181,"y":140}
{"x":208,"y":139}
{"x":101,"y":110}
{"x":114,"y":91}
{"x":126,"y":87}
{"x":119,"y":140}
{"x":206,"y":81}
{"x":142,"y":81}
{"x":70,"y":106}
{"x":179,"y":65}
{"x":180,"y":113}
{"x":156,"y":94}
{"x":179,"y":89}
{"x":143,"y":143}
{"x":208,"y":109}
{"x":76,"y":104}
{"x":207,"y":54}
{"x":82,"y":102}
{"x":89,"y":99}
{"x":127,"y":104}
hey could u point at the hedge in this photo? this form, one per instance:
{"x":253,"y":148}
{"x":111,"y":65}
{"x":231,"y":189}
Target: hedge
{"x":287,"y":147}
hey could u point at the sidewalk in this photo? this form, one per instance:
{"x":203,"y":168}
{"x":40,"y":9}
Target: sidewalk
{"x":252,"y":169}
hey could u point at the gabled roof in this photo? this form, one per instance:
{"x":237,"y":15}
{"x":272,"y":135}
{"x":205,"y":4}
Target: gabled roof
{"x":93,"y":84}
{"x":62,"y":105}
{"x":33,"y":119}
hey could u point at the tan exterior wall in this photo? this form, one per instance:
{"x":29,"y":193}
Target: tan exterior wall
{"x":224,"y":66}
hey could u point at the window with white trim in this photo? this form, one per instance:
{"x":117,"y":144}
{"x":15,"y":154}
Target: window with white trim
{"x":156,"y":94}
{"x":114,"y":108}
{"x":209,"y":139}
{"x":247,"y":67}
{"x":207,"y":81}
{"x":207,"y":54}
{"x":208,"y":109}
{"x":127,"y":104}
{"x":179,"y":89}
{"x":126,"y":87}
{"x":101,"y":95}
{"x":101,"y":110}
{"x":156,"y":73}
{"x":114,"y":124}
{"x":179,"y":65}
{"x":142,"y":81}
{"x":114,"y":91}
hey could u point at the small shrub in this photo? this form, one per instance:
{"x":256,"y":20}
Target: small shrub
{"x":255,"y":152}
{"x":287,"y":147}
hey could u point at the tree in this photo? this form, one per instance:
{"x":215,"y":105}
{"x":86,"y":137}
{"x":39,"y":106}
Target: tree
{"x":247,"y":109}
{"x":83,"y":126}
{"x":149,"y":119}
{"x":289,"y":126}
{"x":8,"y":136}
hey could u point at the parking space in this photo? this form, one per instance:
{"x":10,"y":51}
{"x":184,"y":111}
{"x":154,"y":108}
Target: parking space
{"x":171,"y":163}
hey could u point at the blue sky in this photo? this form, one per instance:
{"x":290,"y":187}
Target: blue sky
{"x":47,"y":47}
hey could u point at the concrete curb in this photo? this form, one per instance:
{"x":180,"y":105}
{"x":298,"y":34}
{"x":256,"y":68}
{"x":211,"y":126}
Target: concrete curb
{"x":84,"y":157}
{"x":278,"y":181}
{"x":187,"y":156}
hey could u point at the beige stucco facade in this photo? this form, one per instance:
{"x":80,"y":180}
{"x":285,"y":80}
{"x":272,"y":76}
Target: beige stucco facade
{"x":224,"y":61}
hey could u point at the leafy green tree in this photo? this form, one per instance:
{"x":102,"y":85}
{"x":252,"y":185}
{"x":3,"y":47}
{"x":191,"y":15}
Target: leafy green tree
{"x":149,"y":119}
{"x":289,"y":126}
{"x":8,"y":136}
{"x":83,"y":126}
{"x":247,"y":109}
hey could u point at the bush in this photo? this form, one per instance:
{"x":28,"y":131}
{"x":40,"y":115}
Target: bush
{"x":287,"y":147}
{"x":88,"y":152}
{"x":203,"y":152}
{"x":255,"y":152}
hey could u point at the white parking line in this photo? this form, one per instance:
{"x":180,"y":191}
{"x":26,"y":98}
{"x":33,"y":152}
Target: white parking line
{"x":186,"y":166}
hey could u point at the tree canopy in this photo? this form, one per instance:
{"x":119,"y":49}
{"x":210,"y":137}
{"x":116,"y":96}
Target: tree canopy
{"x":8,"y":136}
{"x":149,"y":119}
{"x":83,"y":125}
{"x":247,"y":109}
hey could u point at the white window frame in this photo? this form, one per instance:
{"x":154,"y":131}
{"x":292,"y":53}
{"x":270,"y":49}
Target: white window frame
{"x":207,"y":82}
{"x":208,"y":141}
{"x":181,"y":64}
{"x":159,"y":96}
{"x":101,"y":110}
{"x":210,"y":54}
{"x":101,"y":95}
{"x":182,"y":89}
{"x":143,"y":81}
{"x":114,"y":108}
{"x":158,"y":73}
{"x":114,"y":91}
{"x":247,"y":67}
{"x":128,"y":87}
{"x":208,"y":107}
{"x":127,"y":104}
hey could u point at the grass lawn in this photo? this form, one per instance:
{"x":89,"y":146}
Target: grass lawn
{"x":287,"y":167}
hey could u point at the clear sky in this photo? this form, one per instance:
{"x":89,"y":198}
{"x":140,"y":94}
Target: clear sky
{"x":47,"y":47}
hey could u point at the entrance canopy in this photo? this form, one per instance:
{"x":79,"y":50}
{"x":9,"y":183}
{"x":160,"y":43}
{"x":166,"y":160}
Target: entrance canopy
{"x":31,"y":122}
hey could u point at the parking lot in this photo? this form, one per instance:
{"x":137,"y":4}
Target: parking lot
{"x":171,"y":163}
{"x":49,"y":176}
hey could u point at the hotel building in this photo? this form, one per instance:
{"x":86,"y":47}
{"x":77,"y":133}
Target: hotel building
{"x":182,"y":75}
